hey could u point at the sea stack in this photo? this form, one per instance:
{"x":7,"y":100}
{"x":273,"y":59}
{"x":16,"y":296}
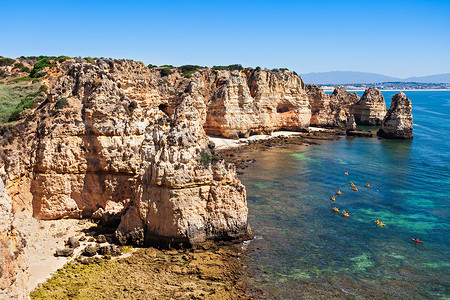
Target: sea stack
{"x":371,"y":109}
{"x":398,"y":122}
{"x":330,"y":110}
{"x":14,"y":271}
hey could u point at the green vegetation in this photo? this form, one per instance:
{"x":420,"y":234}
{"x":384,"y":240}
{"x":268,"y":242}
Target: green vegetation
{"x":150,"y":66}
{"x":258,"y":68}
{"x":62,"y":58}
{"x":166,"y":66}
{"x":165,"y":72}
{"x":14,"y":98}
{"x":89,"y":60}
{"x":18,"y":66}
{"x":229,"y":67}
{"x":26,"y":69}
{"x":206,"y":158}
{"x":41,"y":64}
{"x":61,"y":103}
{"x":21,"y":79}
{"x":188,"y":70}
{"x":6,"y":61}
{"x":127,"y":248}
{"x":275,"y":70}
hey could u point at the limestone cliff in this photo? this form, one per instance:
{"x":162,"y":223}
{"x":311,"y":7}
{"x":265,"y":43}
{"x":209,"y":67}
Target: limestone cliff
{"x":113,"y":137}
{"x":398,"y":122}
{"x":371,"y":109}
{"x":254,"y":102}
{"x":14,"y":271}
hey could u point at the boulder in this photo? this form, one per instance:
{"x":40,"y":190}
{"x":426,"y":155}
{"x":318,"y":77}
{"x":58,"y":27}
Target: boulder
{"x":73,"y":242}
{"x":64,"y":252}
{"x":89,"y":251}
{"x":398,"y":122}
{"x":101,"y":239}
{"x":112,"y":250}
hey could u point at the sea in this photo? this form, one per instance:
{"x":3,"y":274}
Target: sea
{"x":304,"y":250}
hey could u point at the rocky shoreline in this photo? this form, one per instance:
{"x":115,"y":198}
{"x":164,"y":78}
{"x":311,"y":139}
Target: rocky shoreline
{"x":127,"y":145}
{"x":212,"y":271}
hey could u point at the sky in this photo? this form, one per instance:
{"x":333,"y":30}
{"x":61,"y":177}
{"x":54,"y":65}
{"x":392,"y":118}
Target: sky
{"x":394,"y":38}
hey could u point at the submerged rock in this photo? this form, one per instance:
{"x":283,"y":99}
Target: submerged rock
{"x":398,"y":122}
{"x":371,"y":109}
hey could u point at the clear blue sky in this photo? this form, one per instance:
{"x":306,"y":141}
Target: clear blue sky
{"x":396,"y":38}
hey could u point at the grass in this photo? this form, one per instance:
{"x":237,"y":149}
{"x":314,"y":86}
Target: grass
{"x":16,"y":95}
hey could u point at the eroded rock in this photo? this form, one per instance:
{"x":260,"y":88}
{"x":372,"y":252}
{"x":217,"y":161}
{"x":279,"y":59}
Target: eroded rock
{"x":371,"y":109}
{"x":14,"y":270}
{"x":398,"y":122}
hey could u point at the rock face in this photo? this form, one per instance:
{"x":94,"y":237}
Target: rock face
{"x":257,"y":102}
{"x":351,"y":124}
{"x":398,"y":122}
{"x":14,"y":271}
{"x":371,"y":109}
{"x":115,"y":141}
{"x":330,"y":110}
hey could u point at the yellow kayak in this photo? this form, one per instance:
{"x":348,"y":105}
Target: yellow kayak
{"x":368,"y":185}
{"x":380,"y":223}
{"x":338,"y":192}
{"x":346,"y":173}
{"x":335,"y":209}
{"x":355,"y":188}
{"x":346,"y":214}
{"x":333,"y":198}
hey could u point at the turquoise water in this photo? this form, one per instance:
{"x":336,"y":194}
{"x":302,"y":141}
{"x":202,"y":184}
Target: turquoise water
{"x":303,"y":249}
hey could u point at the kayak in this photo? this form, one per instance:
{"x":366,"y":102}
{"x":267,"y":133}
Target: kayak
{"x":417,"y":241}
{"x":335,"y":209}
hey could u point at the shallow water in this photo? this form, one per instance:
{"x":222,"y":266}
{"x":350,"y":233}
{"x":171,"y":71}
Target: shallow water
{"x":303,"y":249}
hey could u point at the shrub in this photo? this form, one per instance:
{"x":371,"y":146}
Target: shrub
{"x":62,"y":58}
{"x":89,"y":60}
{"x":6,"y":61}
{"x":2,"y":74}
{"x":188,"y":70}
{"x":284,"y":69}
{"x":18,"y":66}
{"x":26,"y":69}
{"x":41,"y":64}
{"x":258,"y":68}
{"x":61,"y":103}
{"x":229,"y":67}
{"x":165,"y":72}
{"x":275,"y":70}
{"x":206,"y":158}
{"x":150,"y":66}
{"x":166,"y":66}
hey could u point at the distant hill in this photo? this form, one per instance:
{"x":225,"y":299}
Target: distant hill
{"x":439,"y":78}
{"x":349,"y":77}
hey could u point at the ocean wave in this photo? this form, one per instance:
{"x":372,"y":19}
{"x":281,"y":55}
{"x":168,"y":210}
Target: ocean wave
{"x":429,"y":111}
